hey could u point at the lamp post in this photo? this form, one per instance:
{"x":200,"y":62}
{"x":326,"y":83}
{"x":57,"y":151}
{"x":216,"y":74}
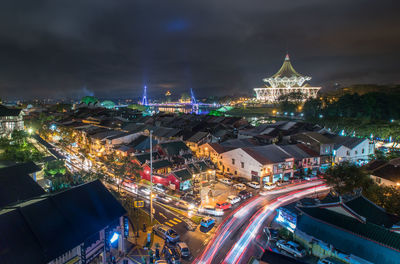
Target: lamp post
{"x":151,"y":177}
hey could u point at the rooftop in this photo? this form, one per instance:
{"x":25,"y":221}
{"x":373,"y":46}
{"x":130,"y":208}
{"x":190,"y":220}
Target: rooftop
{"x":46,"y":227}
{"x":367,"y":230}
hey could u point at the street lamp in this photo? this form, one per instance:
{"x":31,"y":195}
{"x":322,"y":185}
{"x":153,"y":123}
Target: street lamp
{"x":151,"y":176}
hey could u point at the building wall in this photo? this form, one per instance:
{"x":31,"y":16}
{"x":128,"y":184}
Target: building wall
{"x":10,"y":123}
{"x":207,"y":151}
{"x":239,"y":156}
{"x":361,"y":152}
{"x":382,"y":181}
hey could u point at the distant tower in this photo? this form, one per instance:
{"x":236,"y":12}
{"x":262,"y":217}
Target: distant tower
{"x":287,"y":80}
{"x":168,"y":96}
{"x":195,"y":105}
{"x":192,"y":99}
{"x":144,"y":99}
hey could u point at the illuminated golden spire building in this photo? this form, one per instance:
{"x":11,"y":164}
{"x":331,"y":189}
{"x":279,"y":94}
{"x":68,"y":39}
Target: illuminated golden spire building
{"x":286,"y":80}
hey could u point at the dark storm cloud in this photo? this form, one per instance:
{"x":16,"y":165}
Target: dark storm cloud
{"x":53,"y":48}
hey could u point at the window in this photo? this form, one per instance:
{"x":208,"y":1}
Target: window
{"x":378,"y":180}
{"x":348,"y":153}
{"x":227,"y":169}
{"x":362,"y":151}
{"x":355,"y":152}
{"x":235,"y":172}
{"x":233,"y":161}
{"x":242,"y":163}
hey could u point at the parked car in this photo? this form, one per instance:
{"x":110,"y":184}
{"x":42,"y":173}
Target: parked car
{"x":233,"y":199}
{"x":163,"y":198}
{"x":144,"y":190}
{"x":241,"y":180}
{"x":191,"y":199}
{"x":271,"y":233}
{"x":166,"y":233}
{"x":223,"y":205}
{"x":207,"y":222}
{"x":170,"y":254}
{"x":254,"y":185}
{"x":159,"y":188}
{"x":269,"y":186}
{"x":226,"y":181}
{"x":182,"y":249}
{"x":239,"y":186}
{"x":211,"y":210}
{"x":245,"y":194}
{"x":131,"y":186}
{"x":291,"y":248}
{"x":329,"y":261}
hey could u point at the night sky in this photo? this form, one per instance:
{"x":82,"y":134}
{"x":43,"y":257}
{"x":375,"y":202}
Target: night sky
{"x":111,"y":48}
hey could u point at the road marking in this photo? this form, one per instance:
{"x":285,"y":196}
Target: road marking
{"x":168,"y":224}
{"x":161,"y":214}
{"x":173,"y":222}
{"x":176,"y":219}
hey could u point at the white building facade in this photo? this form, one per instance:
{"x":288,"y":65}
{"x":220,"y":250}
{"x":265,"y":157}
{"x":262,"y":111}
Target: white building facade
{"x":249,"y":163}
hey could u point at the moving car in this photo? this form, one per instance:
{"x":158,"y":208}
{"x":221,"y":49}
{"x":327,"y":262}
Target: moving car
{"x":244,"y":194}
{"x":269,"y":186}
{"x":329,"y":261}
{"x":191,"y":199}
{"x":291,"y":248}
{"x":211,"y":210}
{"x":183,"y":205}
{"x":163,"y":198}
{"x":144,"y":190}
{"x":226,"y":181}
{"x":207,"y":222}
{"x":182,"y":249}
{"x":239,"y":186}
{"x":159,"y":188}
{"x":254,"y":185}
{"x":223,"y":205}
{"x":168,"y":234}
{"x":232,"y":199}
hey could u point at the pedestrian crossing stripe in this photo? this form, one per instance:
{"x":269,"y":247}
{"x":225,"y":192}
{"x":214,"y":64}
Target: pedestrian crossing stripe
{"x":173,"y":222}
{"x":177,"y":220}
{"x":168,"y":224}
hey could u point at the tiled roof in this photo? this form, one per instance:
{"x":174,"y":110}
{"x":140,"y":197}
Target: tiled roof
{"x":219,"y":148}
{"x":183,"y":175}
{"x":203,"y":166}
{"x":268,"y":154}
{"x":5,"y":111}
{"x":296,"y":152}
{"x":159,"y":164}
{"x":349,"y":142}
{"x":372,"y":212}
{"x":197,"y":137}
{"x":143,"y":157}
{"x":44,"y":228}
{"x":193,"y":168}
{"x":367,"y":230}
{"x":173,"y":148}
{"x":16,"y":185}
{"x":388,"y":171}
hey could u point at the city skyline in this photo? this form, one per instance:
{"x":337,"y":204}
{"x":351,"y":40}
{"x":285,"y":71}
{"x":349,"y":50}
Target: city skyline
{"x":114,"y":49}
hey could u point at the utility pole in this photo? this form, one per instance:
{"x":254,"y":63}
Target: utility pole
{"x":151,"y":176}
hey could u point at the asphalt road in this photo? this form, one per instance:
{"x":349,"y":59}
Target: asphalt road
{"x":239,"y":237}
